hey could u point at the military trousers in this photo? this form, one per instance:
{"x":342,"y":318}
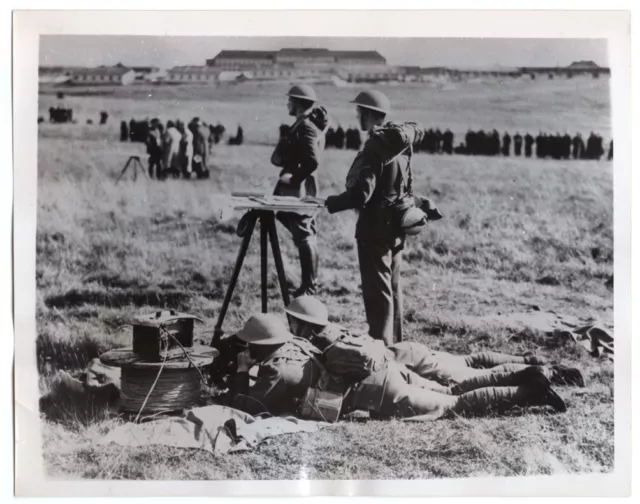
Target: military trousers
{"x":380,"y":263}
{"x":403,"y":399}
{"x":448,"y":369}
{"x":304,"y":233}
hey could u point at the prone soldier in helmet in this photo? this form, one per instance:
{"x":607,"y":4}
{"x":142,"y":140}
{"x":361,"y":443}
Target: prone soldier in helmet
{"x":289,"y":366}
{"x":309,"y":319}
{"x":379,"y":188}
{"x":299,"y":155}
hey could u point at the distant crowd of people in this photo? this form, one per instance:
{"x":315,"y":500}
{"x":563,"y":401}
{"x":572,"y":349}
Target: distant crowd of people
{"x":176,"y":149}
{"x":541,"y":146}
{"x":60,"y":115}
{"x":481,"y":143}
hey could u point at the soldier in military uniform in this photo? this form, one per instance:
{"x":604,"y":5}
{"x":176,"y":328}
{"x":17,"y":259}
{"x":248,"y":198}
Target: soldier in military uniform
{"x":517,"y":144}
{"x":289,"y":366}
{"x":299,"y":155}
{"x":379,"y":177}
{"x":506,"y":144}
{"x":200,"y":141}
{"x":286,"y":369}
{"x":339,"y":138}
{"x":310,"y":320}
{"x":528,"y":144}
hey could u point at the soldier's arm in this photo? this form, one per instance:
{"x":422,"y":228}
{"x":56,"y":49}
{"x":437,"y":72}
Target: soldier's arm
{"x":357,"y":196}
{"x":263,"y":396}
{"x":308,"y":152}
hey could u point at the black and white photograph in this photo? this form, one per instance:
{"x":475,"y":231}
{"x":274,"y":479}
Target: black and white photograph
{"x":320,"y":257}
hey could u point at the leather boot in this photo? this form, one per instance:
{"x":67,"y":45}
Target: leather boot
{"x":499,"y":399}
{"x":528,"y":376}
{"x":308,"y":269}
{"x":532,"y":359}
{"x":564,"y":375}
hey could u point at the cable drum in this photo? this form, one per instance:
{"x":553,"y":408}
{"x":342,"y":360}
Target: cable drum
{"x":171,"y":385}
{"x":175,"y":389}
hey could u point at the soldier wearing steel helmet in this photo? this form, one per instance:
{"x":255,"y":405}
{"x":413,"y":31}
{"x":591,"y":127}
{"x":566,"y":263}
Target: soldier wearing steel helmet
{"x":285,"y":368}
{"x":299,"y":154}
{"x":289,"y":366}
{"x":309,"y":319}
{"x":378,"y":181}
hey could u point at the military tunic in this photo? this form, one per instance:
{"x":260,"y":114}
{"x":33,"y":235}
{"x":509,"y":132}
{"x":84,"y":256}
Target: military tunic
{"x":282,"y":381}
{"x":378,"y":176}
{"x":299,"y":155}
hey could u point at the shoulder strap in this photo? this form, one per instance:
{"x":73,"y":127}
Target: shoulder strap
{"x":310,"y":355}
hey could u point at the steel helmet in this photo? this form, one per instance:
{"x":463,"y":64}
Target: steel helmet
{"x":265,"y":329}
{"x":303,"y":92}
{"x":374,"y":100}
{"x":412,"y":221}
{"x":309,"y":309}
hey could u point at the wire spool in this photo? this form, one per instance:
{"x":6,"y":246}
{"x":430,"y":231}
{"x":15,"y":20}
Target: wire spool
{"x":153,"y":387}
{"x":175,"y":389}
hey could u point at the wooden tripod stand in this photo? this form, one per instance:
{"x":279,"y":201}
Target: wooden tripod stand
{"x":137,"y":164}
{"x":268,"y":232}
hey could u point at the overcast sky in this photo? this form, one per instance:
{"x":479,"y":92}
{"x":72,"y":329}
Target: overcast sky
{"x":165,"y":52}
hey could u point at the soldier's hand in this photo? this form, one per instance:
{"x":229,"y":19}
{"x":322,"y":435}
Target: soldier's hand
{"x":245,"y":362}
{"x":286,"y":178}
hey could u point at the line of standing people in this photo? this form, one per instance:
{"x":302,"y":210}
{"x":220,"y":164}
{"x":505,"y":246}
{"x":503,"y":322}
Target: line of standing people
{"x":178,"y":150}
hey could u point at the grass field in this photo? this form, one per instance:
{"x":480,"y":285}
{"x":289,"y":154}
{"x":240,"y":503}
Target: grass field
{"x":105,"y":252}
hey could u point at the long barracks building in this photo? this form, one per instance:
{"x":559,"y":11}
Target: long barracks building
{"x":294,"y":57}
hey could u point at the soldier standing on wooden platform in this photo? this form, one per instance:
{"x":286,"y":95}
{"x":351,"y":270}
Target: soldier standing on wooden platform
{"x":378,"y":181}
{"x":299,"y":155}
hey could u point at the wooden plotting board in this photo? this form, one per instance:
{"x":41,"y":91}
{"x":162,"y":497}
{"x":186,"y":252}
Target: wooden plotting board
{"x":251,"y":201}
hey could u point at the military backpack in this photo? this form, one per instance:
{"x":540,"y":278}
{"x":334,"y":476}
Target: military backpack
{"x":354,"y":357}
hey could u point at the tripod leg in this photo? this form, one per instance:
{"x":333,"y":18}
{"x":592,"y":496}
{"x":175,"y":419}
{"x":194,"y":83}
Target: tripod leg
{"x":264,"y":257}
{"x":277,"y":257}
{"x":142,"y":170}
{"x":126,"y":165}
{"x":217,"y":333}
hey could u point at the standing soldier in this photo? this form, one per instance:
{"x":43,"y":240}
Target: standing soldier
{"x":186,"y":149}
{"x":506,"y":144}
{"x":447,"y":145}
{"x":299,"y":155}
{"x":528,"y":145}
{"x":494,"y":149}
{"x":578,"y":147}
{"x":154,"y":149}
{"x":330,"y":138}
{"x":200,"y":147}
{"x":171,"y":150}
{"x":339,"y":138}
{"x":517,"y":144}
{"x":379,"y":179}
{"x":124,"y":131}
{"x":610,"y":156}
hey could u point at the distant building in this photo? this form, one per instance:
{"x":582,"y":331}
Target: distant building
{"x":294,"y":57}
{"x":103,"y":75}
{"x":575,"y":68}
{"x":305,"y":57}
{"x":145,"y":72}
{"x":370,"y":73}
{"x":285,"y":72}
{"x":55,"y":74}
{"x":192,"y":75}
{"x":232,"y":60}
{"x":358,"y":58}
